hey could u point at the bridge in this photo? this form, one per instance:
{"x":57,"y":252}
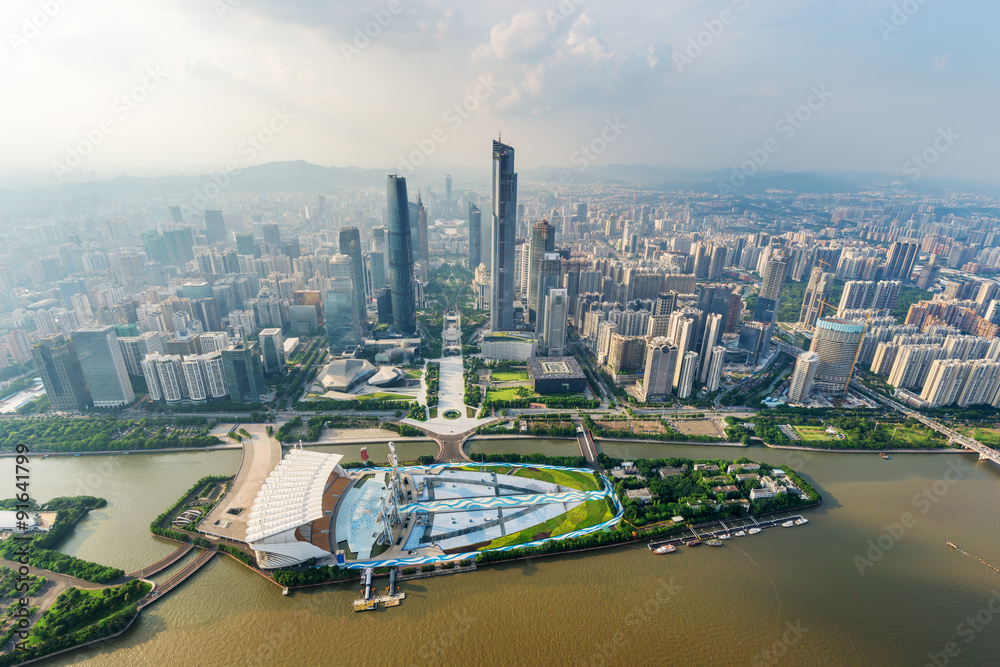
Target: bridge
{"x":178,"y":578}
{"x":954,"y":437}
{"x":162,"y":564}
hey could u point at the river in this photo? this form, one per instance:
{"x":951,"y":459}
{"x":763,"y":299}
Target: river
{"x":800,"y":596}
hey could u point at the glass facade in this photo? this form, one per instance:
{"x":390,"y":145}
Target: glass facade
{"x":404,"y":316}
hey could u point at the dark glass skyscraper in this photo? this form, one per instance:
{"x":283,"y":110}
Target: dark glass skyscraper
{"x":475,"y":236}
{"x":350,"y":245}
{"x":62,"y":375}
{"x":404,"y":316}
{"x":215,"y":227}
{"x":504,"y":232}
{"x":543,"y":240}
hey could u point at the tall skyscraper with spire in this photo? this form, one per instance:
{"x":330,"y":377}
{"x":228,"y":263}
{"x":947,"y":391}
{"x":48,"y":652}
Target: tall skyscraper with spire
{"x":404,"y":316}
{"x":504,"y":233}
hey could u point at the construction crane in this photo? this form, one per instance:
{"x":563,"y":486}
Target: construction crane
{"x":857,"y":352}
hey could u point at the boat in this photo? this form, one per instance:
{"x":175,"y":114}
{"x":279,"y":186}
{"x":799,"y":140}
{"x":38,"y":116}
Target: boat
{"x":801,"y":521}
{"x":693,"y":543}
{"x":725,"y":536}
{"x":741,"y":533}
{"x":787,"y":524}
{"x":665,"y":549}
{"x":753,"y":531}
{"x":714,"y":543}
{"x":884,"y":455}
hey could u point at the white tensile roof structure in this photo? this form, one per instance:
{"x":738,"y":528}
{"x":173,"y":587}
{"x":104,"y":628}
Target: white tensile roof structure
{"x":292,"y":495}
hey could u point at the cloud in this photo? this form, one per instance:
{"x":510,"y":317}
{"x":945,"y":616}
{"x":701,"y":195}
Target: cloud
{"x":552,"y":61}
{"x":940,"y":63}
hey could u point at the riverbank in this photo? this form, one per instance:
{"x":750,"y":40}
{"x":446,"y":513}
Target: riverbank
{"x":108,"y":452}
{"x":690,"y":443}
{"x":800,"y":448}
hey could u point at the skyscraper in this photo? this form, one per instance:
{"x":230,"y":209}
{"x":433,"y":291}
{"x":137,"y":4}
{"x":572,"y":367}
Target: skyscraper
{"x":710,"y":338}
{"x":803,"y":377}
{"x":339,"y":310}
{"x":899,"y":263}
{"x":504,"y":229}
{"x":475,"y":236}
{"x":555,"y":314}
{"x":549,"y":277}
{"x":215,"y":227}
{"x":104,"y":366}
{"x":817,"y":291}
{"x":657,"y":380}
{"x":350,"y":245}
{"x":272,"y":350}
{"x":837,"y":343}
{"x":543,"y":240}
{"x":404,"y":316}
{"x":447,"y":195}
{"x":62,"y":375}
{"x":244,"y":372}
{"x":425,"y":254}
{"x":771,"y":284}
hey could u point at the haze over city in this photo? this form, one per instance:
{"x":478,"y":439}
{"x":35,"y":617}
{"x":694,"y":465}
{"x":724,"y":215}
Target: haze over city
{"x":694,"y":85}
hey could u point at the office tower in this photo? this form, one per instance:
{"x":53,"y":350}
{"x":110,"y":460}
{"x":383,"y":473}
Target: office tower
{"x":244,"y":372}
{"x":556,"y":307}
{"x":350,"y":245}
{"x":70,"y":287}
{"x":817,"y":292}
{"x":522,"y":260}
{"x":715,"y":368}
{"x":837,"y":343}
{"x":543,"y":240}
{"x":383,"y":305}
{"x":901,"y":258}
{"x":339,"y":311}
{"x":272,"y":349}
{"x":475,"y":236}
{"x":754,"y":339}
{"x":271,"y":234}
{"x":424,"y":248}
{"x":665,"y":304}
{"x":245,"y":245}
{"x":404,"y":316}
{"x":803,"y":377}
{"x":657,"y":380}
{"x":62,"y":375}
{"x":175,"y":214}
{"x":414,"y":212}
{"x":215,"y":227}
{"x":549,"y":276}
{"x":688,"y":370}
{"x":710,"y":338}
{"x":771,"y":284}
{"x":504,"y":230}
{"x":374,"y":267}
{"x":717,"y":262}
{"x":135,"y":349}
{"x":104,"y":366}
{"x":378,"y":239}
{"x":447,"y":194}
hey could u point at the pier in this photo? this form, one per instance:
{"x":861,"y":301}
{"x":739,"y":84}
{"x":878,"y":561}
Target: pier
{"x":178,"y":578}
{"x":370,"y":602}
{"x":732,"y":527}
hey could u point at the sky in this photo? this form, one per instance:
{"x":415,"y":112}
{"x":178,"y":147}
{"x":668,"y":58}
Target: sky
{"x":107,"y":87}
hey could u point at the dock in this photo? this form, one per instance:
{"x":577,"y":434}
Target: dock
{"x":723,"y":528}
{"x":393,"y":596}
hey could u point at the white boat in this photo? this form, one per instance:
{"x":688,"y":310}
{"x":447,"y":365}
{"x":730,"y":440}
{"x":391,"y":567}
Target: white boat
{"x":741,"y":533}
{"x":787,"y":524}
{"x":753,"y":531}
{"x":725,"y":536}
{"x":665,"y":549}
{"x":801,"y":521}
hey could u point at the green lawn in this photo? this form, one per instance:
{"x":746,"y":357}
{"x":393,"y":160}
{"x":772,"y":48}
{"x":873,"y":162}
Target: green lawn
{"x":385,"y":396}
{"x":503,"y":394}
{"x":814,"y":433}
{"x":586,"y":514}
{"x":509,"y":376}
{"x":914,"y":434}
{"x":574,"y":480}
{"x":414,"y":373}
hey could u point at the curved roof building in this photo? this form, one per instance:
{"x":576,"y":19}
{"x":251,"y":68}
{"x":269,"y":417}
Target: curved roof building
{"x":837,"y":343}
{"x":290,"y":519}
